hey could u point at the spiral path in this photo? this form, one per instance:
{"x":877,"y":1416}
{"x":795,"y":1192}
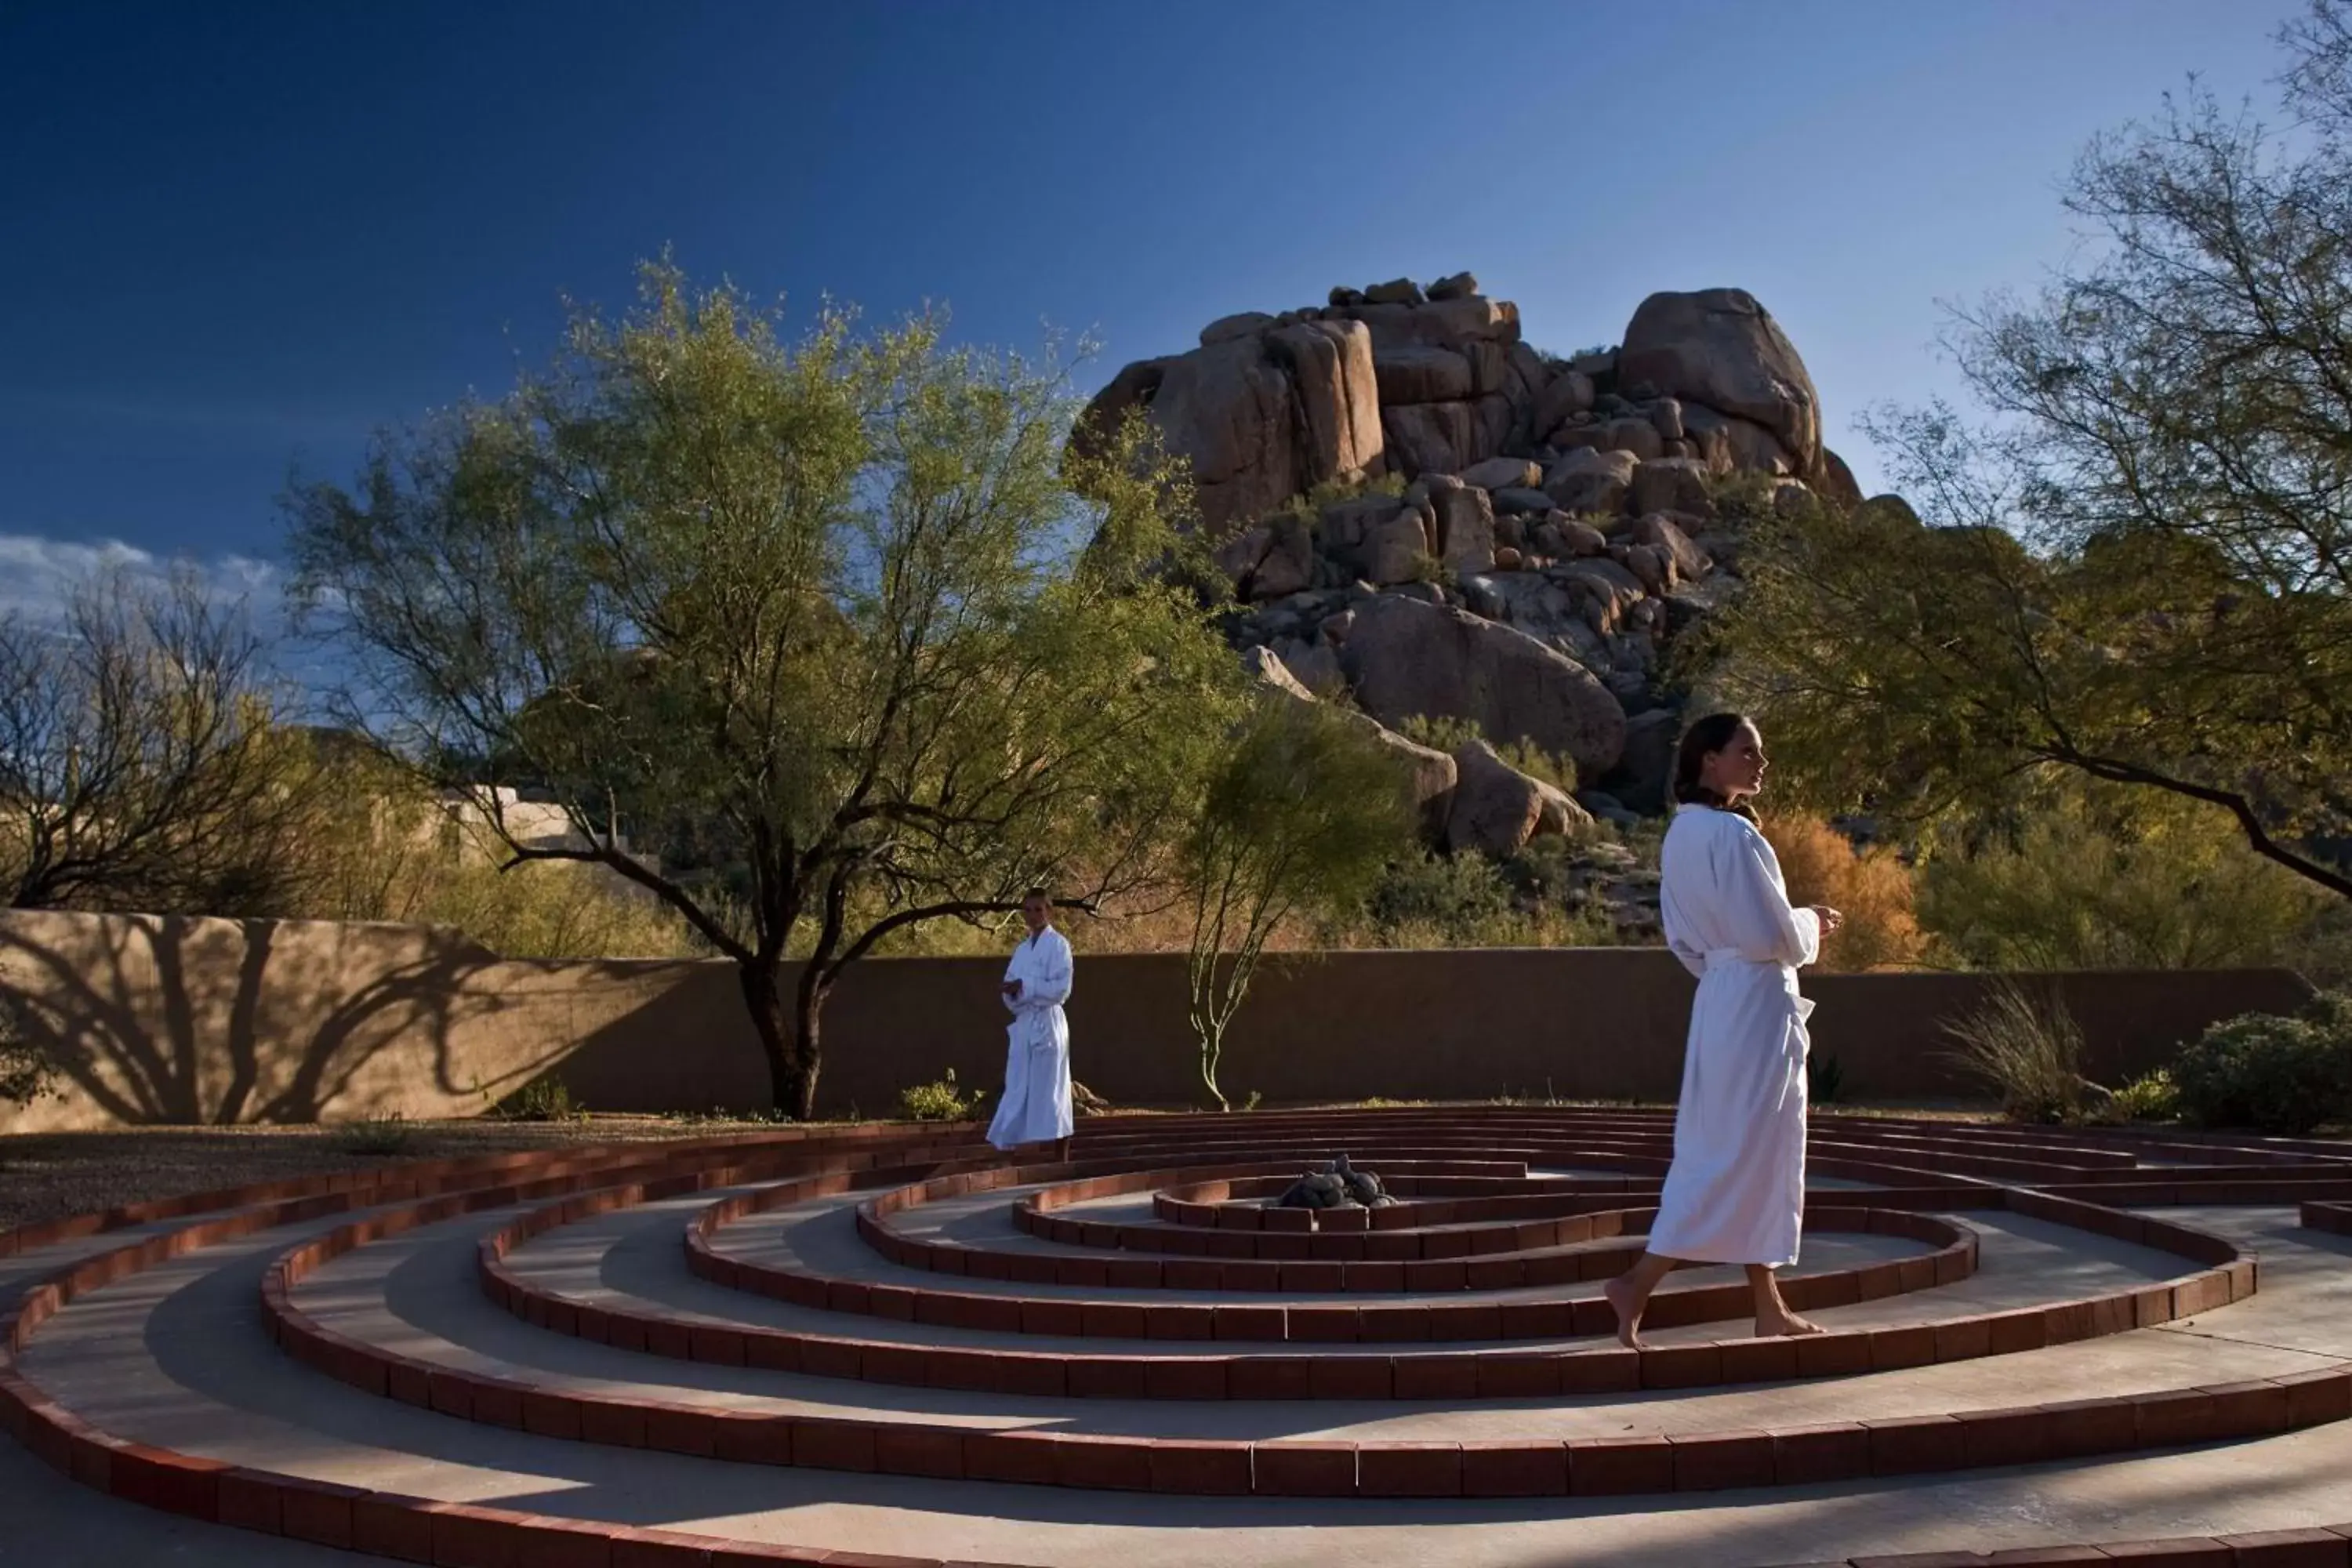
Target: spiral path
{"x":884,"y":1346}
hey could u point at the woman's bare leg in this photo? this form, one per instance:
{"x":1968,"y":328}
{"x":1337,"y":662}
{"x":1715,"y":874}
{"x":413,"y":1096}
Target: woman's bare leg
{"x":1630,"y":1293}
{"x":1773,"y":1318}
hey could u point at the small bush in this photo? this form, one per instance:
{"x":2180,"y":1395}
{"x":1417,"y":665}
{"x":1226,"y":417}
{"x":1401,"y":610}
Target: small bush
{"x":545,"y":1098}
{"x":2029,"y":1052}
{"x":2152,"y":1098}
{"x":2284,"y":1076}
{"x":1444,"y":901}
{"x":377,"y":1135}
{"x":1450,"y":735}
{"x":1872,"y":890}
{"x":938,"y":1100}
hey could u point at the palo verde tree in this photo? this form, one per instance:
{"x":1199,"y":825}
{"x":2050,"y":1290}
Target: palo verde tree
{"x":1302,"y":813}
{"x":2141,"y":567}
{"x":815,"y":641}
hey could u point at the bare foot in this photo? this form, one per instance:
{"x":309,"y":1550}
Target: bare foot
{"x":1788,"y":1324}
{"x":1629,"y":1316}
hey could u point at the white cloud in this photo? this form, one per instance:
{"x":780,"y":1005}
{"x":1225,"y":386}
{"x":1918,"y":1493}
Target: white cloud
{"x":37,"y":572}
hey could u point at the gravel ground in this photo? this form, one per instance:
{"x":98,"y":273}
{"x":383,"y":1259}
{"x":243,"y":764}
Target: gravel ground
{"x":47,"y":1175}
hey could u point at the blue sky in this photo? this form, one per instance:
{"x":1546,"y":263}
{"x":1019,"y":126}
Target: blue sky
{"x":237,"y":238}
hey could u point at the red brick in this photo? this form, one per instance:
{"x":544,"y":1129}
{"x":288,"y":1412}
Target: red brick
{"x":1267,"y":1377}
{"x":1620,"y":1466}
{"x":391,"y":1525}
{"x":1436,"y":1377}
{"x":1963,"y":1339}
{"x":1716,"y":1461}
{"x":1201,"y":1469}
{"x":1183,"y":1322}
{"x":2180,"y":1552}
{"x":1912,"y":1444}
{"x":1350,"y":1377}
{"x":1305,"y":1470}
{"x":1758,"y":1361}
{"x":252,"y":1500}
{"x":1891,"y":1350}
{"x":615,"y":1423}
{"x":680,"y":1429}
{"x":1836,"y":1354}
{"x":2253,"y":1409}
{"x":1027,"y":1456}
{"x":1682,"y":1366}
{"x":1615,"y":1371}
{"x":1261,"y":1323}
{"x":753,"y":1439}
{"x":2289,"y":1549}
{"x":173,"y":1482}
{"x":833,"y":1445}
{"x":1518,"y":1377}
{"x":2084,"y":1427}
{"x":1409,"y":1469}
{"x":2313,"y":1398}
{"x":1105,"y":1378}
{"x":2047,"y":1556}
{"x":1524,"y":1469}
{"x":901,"y":1449}
{"x":1102,"y":1463}
{"x":564,"y":1543}
{"x":320,"y":1511}
{"x":1992,"y":1437}
{"x":1391,"y":1325}
{"x":497,"y":1404}
{"x":1831,"y":1451}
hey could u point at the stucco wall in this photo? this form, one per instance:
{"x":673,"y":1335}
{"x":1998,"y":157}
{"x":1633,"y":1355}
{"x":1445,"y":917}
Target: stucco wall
{"x":216,"y":1020}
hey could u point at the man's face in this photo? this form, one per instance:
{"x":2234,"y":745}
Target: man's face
{"x":1034,"y":913}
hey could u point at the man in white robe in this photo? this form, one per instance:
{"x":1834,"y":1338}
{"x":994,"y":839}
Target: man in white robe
{"x":1035,"y":1107}
{"x":1736,"y":1191}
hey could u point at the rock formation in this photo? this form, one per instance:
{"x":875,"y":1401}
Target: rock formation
{"x":1423,"y":516}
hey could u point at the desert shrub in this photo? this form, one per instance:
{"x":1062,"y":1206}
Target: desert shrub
{"x":2281,"y":1075}
{"x":938,"y":1100}
{"x":2029,"y":1052}
{"x":1872,"y":889}
{"x":547,"y":1099}
{"x":2153,"y":1097}
{"x":2091,"y":879}
{"x":1440,"y":901}
{"x":377,"y":1136}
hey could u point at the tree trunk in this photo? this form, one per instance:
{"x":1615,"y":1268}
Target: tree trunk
{"x":788,"y":1038}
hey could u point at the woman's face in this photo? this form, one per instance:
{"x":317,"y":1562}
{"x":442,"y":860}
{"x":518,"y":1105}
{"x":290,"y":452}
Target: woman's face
{"x":1736,"y":772}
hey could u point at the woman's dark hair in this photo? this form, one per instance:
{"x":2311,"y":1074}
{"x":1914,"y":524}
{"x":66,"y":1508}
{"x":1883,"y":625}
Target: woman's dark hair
{"x":1701,"y":741}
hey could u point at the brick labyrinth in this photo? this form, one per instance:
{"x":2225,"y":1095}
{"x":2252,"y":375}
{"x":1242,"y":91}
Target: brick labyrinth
{"x":892,"y":1302}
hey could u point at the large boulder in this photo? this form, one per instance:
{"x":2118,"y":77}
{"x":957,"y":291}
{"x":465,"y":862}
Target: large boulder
{"x":1416,"y":372}
{"x":1496,"y":808}
{"x":1502,"y":474}
{"x":1564,"y":397}
{"x":1407,"y":659}
{"x":1465,"y":526}
{"x":1261,"y":416}
{"x":1719,"y":347}
{"x":1430,"y":775}
{"x":1288,"y":565}
{"x":1837,"y":482}
{"x":1647,"y":767}
{"x":1672,"y":484}
{"x":1330,"y":365}
{"x":1729,"y":445}
{"x":1660,"y":534}
{"x":1588,"y":480}
{"x":1435,"y":437}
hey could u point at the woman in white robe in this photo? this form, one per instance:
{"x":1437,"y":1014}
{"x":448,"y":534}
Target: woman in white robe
{"x":1035,"y":1107}
{"x":1735,"y":1192}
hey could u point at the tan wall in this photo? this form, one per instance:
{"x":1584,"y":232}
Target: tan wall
{"x":217,"y":1020}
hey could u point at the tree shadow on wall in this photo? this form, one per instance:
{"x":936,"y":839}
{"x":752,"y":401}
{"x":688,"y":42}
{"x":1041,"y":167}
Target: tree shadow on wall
{"x":121,"y":1005}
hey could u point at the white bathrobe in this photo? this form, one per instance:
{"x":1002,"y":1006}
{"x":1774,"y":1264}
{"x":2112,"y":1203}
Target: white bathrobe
{"x":1736,"y":1191}
{"x":1037,"y":1104}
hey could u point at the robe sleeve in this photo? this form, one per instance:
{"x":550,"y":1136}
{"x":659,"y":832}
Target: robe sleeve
{"x":1012,"y":971}
{"x":1692,"y":959}
{"x":1755,"y":908}
{"x":1048,"y":982}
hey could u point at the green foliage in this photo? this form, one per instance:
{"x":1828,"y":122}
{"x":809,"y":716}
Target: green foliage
{"x":377,"y":1136}
{"x":2152,"y":1096}
{"x":1440,"y":901}
{"x":2102,"y":878}
{"x":1308,"y":508}
{"x":2029,"y":1052}
{"x":2142,"y":572}
{"x":544,"y":1099}
{"x":836,"y":627}
{"x":1301,"y":817}
{"x":938,"y":1100}
{"x":2284,"y":1076}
